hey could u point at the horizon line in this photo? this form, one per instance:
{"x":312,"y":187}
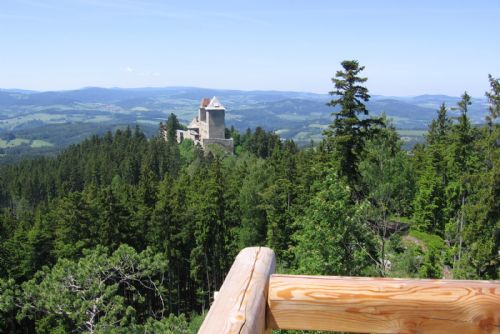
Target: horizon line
{"x":20,"y":90}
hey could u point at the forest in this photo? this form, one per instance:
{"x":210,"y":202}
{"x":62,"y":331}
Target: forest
{"x":125,"y":234}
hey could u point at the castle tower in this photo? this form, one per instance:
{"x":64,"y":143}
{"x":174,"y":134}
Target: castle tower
{"x":202,"y":114}
{"x":215,"y":113}
{"x":208,"y":128}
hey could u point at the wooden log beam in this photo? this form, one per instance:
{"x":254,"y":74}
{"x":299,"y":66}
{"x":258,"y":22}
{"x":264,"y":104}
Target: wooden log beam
{"x":240,"y":306}
{"x":378,"y":305}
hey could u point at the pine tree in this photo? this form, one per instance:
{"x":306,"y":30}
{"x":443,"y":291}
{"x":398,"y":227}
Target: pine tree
{"x":351,"y":126}
{"x":464,"y":134}
{"x":253,"y":228}
{"x":97,"y":292}
{"x":429,"y":202}
{"x":209,"y":255}
{"x":435,"y":176}
{"x":481,"y":211}
{"x":465,"y":160}
{"x":171,"y":127}
{"x":331,"y":238}
{"x":494,"y":100}
{"x":440,"y":127}
{"x":388,"y":183}
{"x":73,"y":226}
{"x":112,"y":221}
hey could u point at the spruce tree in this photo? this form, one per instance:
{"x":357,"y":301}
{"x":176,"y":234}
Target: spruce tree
{"x":172,"y":126}
{"x":464,"y":134}
{"x":482,"y":208}
{"x":331,"y":238}
{"x":440,"y":127}
{"x":351,"y":125}
{"x":494,"y":100}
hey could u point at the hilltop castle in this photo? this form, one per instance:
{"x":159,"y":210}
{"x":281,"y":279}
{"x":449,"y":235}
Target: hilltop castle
{"x":208,"y":127}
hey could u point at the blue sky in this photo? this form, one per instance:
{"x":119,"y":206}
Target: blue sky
{"x":408,"y":47}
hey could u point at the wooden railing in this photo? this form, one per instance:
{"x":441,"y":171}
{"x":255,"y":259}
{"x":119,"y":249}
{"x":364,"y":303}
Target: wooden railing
{"x":253,"y":300}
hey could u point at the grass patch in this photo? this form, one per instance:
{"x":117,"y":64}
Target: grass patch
{"x":432,"y":241}
{"x":37,"y":143}
{"x":401,"y":219}
{"x":13,"y":143}
{"x":281,"y":131}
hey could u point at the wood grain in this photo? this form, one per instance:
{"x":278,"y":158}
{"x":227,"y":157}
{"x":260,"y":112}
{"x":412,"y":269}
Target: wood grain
{"x":377,"y":305}
{"x":240,"y":306}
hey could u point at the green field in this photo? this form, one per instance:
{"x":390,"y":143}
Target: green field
{"x":306,"y":136}
{"x":13,"y":143}
{"x":282,"y":131}
{"x":37,"y":143}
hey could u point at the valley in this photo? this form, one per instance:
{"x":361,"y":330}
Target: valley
{"x":40,"y":123}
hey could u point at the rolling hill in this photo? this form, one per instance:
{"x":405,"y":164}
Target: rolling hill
{"x":44,"y":122}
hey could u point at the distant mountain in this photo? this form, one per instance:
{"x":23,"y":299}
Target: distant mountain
{"x":301,"y":116}
{"x":21,"y":91}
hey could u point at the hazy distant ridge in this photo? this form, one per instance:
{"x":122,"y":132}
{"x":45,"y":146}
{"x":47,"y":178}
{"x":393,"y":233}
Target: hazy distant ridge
{"x":287,"y":112}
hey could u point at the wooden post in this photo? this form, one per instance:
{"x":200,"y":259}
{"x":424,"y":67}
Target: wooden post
{"x":376,"y":305}
{"x":240,"y":306}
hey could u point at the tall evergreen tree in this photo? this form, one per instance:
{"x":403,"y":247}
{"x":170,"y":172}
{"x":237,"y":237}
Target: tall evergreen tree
{"x":440,"y":127}
{"x":208,"y":256}
{"x":464,"y":134}
{"x":331,"y":238}
{"x":253,"y":228}
{"x":494,"y":101}
{"x":171,"y":127}
{"x":73,"y":227}
{"x":429,"y":202}
{"x":434,"y":169}
{"x":112,"y":221}
{"x":481,"y":211}
{"x":389,"y":185}
{"x":351,"y":125}
{"x":465,"y":159}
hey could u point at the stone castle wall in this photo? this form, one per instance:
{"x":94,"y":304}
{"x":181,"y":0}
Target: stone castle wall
{"x":215,"y":124}
{"x":226,"y":143}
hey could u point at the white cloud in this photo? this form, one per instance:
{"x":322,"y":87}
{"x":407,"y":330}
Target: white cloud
{"x":139,"y":72}
{"x":127,"y":69}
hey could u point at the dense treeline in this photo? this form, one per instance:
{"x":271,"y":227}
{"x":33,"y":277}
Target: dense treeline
{"x":124,"y":234}
{"x":56,"y":137}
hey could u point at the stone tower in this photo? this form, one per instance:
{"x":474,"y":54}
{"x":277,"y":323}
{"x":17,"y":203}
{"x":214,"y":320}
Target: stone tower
{"x":215,"y":119}
{"x":208,"y":128}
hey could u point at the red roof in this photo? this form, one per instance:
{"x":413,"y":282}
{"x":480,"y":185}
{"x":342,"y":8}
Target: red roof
{"x":204,"y":102}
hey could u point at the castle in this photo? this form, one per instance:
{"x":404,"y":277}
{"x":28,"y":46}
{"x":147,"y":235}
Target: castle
{"x":208,"y":127}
